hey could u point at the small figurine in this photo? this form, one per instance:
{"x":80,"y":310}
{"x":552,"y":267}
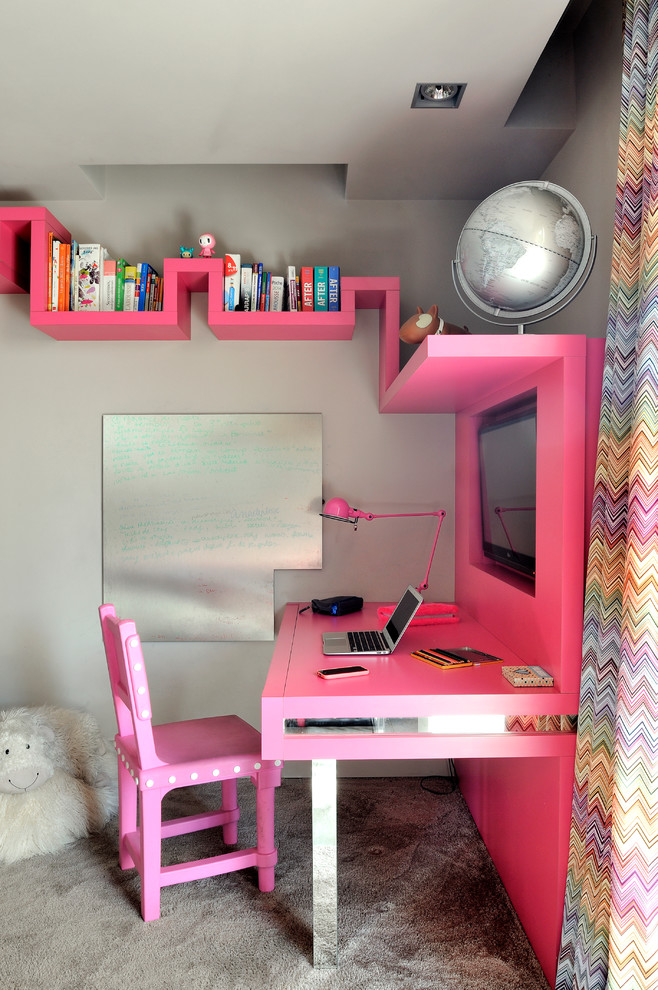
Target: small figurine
{"x":207,"y":242}
{"x":186,"y":252}
{"x":421,"y":325}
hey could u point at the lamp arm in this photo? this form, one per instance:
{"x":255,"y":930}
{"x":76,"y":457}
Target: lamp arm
{"x":393,"y":515}
{"x":404,"y":515}
{"x":424,"y":585}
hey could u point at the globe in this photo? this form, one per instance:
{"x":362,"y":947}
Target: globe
{"x":524,"y":253}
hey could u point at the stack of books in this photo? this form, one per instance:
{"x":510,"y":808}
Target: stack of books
{"x":84,"y":278}
{"x":248,"y":288}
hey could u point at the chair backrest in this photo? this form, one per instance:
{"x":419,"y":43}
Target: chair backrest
{"x":130,"y":691}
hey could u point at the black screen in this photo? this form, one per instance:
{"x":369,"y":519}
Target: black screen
{"x":402,"y":615}
{"x":507,"y":441}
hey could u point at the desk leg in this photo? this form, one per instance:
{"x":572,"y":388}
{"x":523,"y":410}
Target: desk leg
{"x":325,"y":866}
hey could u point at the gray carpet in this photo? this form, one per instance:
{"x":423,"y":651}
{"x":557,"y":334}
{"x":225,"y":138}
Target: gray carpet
{"x":420,"y":907}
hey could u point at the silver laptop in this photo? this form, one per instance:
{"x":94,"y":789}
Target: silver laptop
{"x":374,"y":641}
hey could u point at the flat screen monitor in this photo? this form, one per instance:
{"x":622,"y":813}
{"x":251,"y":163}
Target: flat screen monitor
{"x":507,"y":443}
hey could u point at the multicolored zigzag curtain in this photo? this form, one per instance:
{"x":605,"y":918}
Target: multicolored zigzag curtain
{"x":610,"y":927}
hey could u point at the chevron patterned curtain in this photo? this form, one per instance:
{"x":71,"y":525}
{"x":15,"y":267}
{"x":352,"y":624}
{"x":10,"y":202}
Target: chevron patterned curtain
{"x":610,"y":927}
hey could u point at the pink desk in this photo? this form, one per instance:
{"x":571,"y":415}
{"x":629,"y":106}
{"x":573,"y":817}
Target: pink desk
{"x":412,"y":705}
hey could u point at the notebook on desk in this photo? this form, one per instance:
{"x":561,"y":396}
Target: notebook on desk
{"x":375,"y":641}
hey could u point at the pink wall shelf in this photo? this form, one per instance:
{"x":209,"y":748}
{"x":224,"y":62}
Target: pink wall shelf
{"x":24,"y":264}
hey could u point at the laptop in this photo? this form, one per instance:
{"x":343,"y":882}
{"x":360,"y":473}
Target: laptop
{"x":375,"y":641}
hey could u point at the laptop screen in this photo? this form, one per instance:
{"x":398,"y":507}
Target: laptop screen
{"x":402,"y":614}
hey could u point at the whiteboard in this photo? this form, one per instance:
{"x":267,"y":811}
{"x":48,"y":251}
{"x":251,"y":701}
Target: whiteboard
{"x":198,"y":512}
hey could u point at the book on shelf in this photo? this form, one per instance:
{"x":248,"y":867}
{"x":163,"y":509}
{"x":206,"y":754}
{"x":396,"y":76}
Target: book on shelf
{"x":277,"y":293}
{"x":129,"y":284}
{"x":138,"y":286}
{"x":73,"y":289}
{"x":154,"y":301}
{"x":257,"y":278}
{"x":89,"y":269}
{"x":54,"y":274}
{"x":262,"y":299}
{"x":246,"y":275}
{"x":291,"y":297}
{"x":530,"y":676}
{"x":49,"y":272}
{"x":119,"y":283}
{"x":64,"y":281}
{"x":306,"y":288}
{"x":333,"y":288}
{"x":320,"y":288}
{"x":108,"y":285}
{"x":232,"y":278}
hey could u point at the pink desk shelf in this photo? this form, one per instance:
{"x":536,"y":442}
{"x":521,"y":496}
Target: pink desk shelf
{"x":403,"y":693}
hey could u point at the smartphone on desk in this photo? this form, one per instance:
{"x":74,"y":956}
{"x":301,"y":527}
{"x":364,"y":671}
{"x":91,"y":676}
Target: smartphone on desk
{"x":329,"y":673}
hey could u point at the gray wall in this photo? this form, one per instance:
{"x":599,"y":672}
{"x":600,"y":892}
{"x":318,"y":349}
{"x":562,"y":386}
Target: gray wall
{"x":53,"y":395}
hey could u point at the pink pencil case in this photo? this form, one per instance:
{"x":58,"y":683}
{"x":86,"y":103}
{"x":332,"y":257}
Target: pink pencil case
{"x":428,"y":614}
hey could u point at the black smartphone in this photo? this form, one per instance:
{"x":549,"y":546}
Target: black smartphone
{"x":355,"y":671}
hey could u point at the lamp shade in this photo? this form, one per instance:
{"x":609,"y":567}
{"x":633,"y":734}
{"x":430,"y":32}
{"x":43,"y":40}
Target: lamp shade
{"x":337,"y":508}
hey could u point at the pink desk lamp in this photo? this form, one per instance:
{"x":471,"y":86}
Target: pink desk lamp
{"x":338,"y":509}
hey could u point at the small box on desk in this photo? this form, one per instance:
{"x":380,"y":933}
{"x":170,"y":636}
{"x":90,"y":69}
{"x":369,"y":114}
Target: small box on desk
{"x":527,"y":676}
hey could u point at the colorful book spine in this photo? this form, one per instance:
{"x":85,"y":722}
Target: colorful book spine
{"x":291,"y":297}
{"x":152,"y":292}
{"x":140,"y":285}
{"x":89,"y":276}
{"x":320,"y":288}
{"x":231,"y":282}
{"x":49,"y":272}
{"x":108,"y":285}
{"x":277,"y":292}
{"x":263,"y":293}
{"x":246,"y":276}
{"x":54,"y":288}
{"x":258,"y":284}
{"x":306,"y":288}
{"x":253,"y":302}
{"x":129,"y":283}
{"x":333,"y":289}
{"x":120,"y":278}
{"x":73,"y":289}
{"x":61,"y":281}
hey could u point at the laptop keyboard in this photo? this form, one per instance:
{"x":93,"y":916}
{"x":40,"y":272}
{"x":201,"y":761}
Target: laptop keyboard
{"x":362,"y":642}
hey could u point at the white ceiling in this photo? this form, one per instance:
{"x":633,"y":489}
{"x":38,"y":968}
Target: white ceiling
{"x":284,"y":82}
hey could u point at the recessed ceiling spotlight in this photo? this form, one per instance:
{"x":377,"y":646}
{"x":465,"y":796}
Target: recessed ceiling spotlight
{"x":444,"y":95}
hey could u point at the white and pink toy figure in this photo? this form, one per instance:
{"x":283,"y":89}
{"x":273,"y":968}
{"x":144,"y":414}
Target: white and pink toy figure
{"x":207,"y":244}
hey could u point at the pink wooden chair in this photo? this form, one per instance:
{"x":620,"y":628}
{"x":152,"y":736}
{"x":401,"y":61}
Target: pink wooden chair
{"x":155,"y":759}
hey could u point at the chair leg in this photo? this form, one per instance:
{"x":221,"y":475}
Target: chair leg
{"x":230,"y":803}
{"x":150,"y":818}
{"x":265,"y":847}
{"x":127,"y":814}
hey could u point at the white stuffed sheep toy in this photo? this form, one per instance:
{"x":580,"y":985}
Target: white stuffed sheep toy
{"x":57,"y":780}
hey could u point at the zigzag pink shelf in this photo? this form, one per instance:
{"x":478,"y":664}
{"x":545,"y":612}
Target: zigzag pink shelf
{"x":23,"y":266}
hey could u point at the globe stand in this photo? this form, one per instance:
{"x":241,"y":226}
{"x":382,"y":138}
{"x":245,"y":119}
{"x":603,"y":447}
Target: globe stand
{"x":524,"y":254}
